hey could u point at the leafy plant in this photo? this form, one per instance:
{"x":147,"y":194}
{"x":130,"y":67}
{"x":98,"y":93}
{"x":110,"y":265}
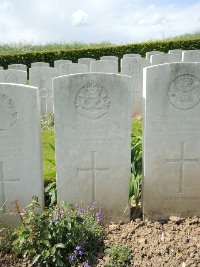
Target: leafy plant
{"x":119,"y":256}
{"x":50,"y":194}
{"x":47,"y":124}
{"x":59,"y":236}
{"x":136,"y":163}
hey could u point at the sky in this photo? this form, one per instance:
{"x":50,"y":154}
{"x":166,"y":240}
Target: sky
{"x":89,"y":21}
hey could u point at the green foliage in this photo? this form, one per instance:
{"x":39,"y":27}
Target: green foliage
{"x":119,"y":256}
{"x":115,"y":50}
{"x":135,"y":180}
{"x":49,"y":170}
{"x":47,"y":124}
{"x":50,"y":194}
{"x":59,"y":236}
{"x":26,"y":47}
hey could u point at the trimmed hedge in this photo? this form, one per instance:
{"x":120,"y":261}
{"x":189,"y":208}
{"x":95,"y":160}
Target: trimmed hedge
{"x":119,"y":51}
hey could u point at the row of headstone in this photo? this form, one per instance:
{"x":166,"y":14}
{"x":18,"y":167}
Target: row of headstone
{"x":92,"y":123}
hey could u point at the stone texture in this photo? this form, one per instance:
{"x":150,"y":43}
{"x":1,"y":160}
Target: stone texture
{"x":72,"y":68}
{"x":86,"y":61}
{"x":13,"y":76}
{"x":171,"y":141}
{"x":112,"y":58}
{"x":191,"y":56}
{"x":39,"y":64}
{"x":106,"y":66}
{"x":131,"y":55}
{"x":151,"y":53}
{"x":134,"y":68}
{"x":59,"y":62}
{"x":20,"y":149}
{"x":177,"y":53}
{"x":18,"y":67}
{"x":164,"y":58}
{"x":42,"y":78}
{"x":92,"y":124}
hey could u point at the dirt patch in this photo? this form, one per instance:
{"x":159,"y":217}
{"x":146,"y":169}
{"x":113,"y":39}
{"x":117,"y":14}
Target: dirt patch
{"x":171,"y":244}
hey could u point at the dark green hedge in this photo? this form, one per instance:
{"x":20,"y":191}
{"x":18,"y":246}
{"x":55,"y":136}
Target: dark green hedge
{"x":74,"y":55}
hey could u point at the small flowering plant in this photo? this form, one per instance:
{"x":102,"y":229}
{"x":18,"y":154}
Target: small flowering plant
{"x":64,"y":235}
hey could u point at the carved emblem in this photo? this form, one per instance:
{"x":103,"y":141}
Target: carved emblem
{"x":92,"y":101}
{"x":8,"y":112}
{"x":184,"y":92}
{"x":11,"y":78}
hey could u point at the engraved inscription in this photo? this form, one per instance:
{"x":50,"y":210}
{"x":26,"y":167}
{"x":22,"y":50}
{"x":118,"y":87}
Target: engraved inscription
{"x":92,"y":101}
{"x":11,"y":78}
{"x":8,"y":112}
{"x":184,"y":92}
{"x":10,"y":146}
{"x":181,"y":162}
{"x":93,"y":169}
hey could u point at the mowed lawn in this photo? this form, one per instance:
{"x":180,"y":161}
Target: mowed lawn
{"x":48,"y":153}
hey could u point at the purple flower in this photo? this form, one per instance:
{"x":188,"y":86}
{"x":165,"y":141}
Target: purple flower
{"x":99,"y":217}
{"x":71,"y":258}
{"x":93,"y":206}
{"x":78,"y":247}
{"x":85,"y":264}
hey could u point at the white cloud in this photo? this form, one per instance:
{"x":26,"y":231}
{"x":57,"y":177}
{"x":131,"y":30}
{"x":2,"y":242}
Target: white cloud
{"x":79,"y":18}
{"x":119,"y":21}
{"x":5,"y":5}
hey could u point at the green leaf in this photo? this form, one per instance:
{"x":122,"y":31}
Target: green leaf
{"x":35,"y":259}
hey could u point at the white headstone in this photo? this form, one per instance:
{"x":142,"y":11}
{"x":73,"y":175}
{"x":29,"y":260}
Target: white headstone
{"x":42,"y":78}
{"x":151,"y":53}
{"x":20,"y":149}
{"x":106,"y":66}
{"x":18,"y":67}
{"x":59,"y":62}
{"x":134,"y":67}
{"x":39,"y":64}
{"x":171,"y":141}
{"x":92,"y":138}
{"x":112,"y":58}
{"x":1,"y":68}
{"x":164,"y":58}
{"x":72,"y":68}
{"x":191,"y":56}
{"x":177,"y":53}
{"x":13,"y":76}
{"x":131,"y":55}
{"x":86,"y":61}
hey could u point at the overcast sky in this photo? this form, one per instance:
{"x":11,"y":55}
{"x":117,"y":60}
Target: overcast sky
{"x":117,"y":21}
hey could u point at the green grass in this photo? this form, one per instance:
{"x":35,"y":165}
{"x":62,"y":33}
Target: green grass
{"x":48,"y":153}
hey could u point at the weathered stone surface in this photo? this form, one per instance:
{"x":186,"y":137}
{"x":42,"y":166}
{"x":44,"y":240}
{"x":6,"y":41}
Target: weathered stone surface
{"x":151,"y":53}
{"x":191,"y":56}
{"x":86,"y":61}
{"x":59,"y":62}
{"x":72,"y":68}
{"x":20,"y":148}
{"x":39,"y":64}
{"x":17,"y":67}
{"x":164,"y":58}
{"x":106,"y":66}
{"x":112,"y":58}
{"x":13,"y":76}
{"x":42,"y":78}
{"x":171,"y":141}
{"x":134,"y":68}
{"x":92,"y":124}
{"x":131,"y":55}
{"x":177,"y":53}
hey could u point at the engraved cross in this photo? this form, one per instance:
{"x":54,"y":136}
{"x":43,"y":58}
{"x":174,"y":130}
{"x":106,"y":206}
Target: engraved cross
{"x":93,"y":169}
{"x":181,"y":162}
{"x":2,"y":182}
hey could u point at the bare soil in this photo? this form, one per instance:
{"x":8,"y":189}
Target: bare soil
{"x":170,"y":244}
